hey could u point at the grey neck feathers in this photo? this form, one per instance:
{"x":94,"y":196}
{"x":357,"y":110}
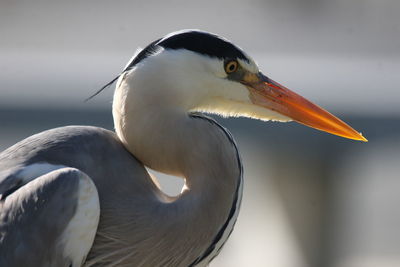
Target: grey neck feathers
{"x":170,"y":141}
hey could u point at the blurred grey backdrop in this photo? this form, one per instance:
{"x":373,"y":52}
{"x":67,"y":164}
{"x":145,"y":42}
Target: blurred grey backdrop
{"x":311,"y":199}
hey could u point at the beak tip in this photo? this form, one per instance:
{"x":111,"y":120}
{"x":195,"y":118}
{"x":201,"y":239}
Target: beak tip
{"x":363,"y":139}
{"x":359,"y":137}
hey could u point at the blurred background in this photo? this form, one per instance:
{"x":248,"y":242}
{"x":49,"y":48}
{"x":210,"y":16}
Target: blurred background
{"x":310,"y":198}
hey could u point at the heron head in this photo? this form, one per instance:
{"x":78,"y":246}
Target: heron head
{"x":206,"y":73}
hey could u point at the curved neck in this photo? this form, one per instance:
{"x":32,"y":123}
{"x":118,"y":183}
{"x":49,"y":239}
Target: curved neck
{"x":168,"y":140}
{"x":171,"y":141}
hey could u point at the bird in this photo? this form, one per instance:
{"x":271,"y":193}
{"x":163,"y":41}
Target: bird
{"x":82,"y":195}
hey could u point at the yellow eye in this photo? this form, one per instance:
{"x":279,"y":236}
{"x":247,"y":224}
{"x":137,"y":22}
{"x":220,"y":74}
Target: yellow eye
{"x":231,"y":66}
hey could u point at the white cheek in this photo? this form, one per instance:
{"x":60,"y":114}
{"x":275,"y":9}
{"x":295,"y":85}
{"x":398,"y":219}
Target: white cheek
{"x":237,"y":92}
{"x":220,"y":72}
{"x":221,"y":95}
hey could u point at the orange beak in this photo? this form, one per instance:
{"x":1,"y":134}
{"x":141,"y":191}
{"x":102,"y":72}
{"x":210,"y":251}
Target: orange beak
{"x":270,"y":94}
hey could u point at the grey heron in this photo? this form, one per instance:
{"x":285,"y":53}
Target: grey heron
{"x":81,"y":195}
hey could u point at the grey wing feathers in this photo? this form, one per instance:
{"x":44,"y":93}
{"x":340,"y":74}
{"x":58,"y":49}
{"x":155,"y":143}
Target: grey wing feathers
{"x":49,"y":221}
